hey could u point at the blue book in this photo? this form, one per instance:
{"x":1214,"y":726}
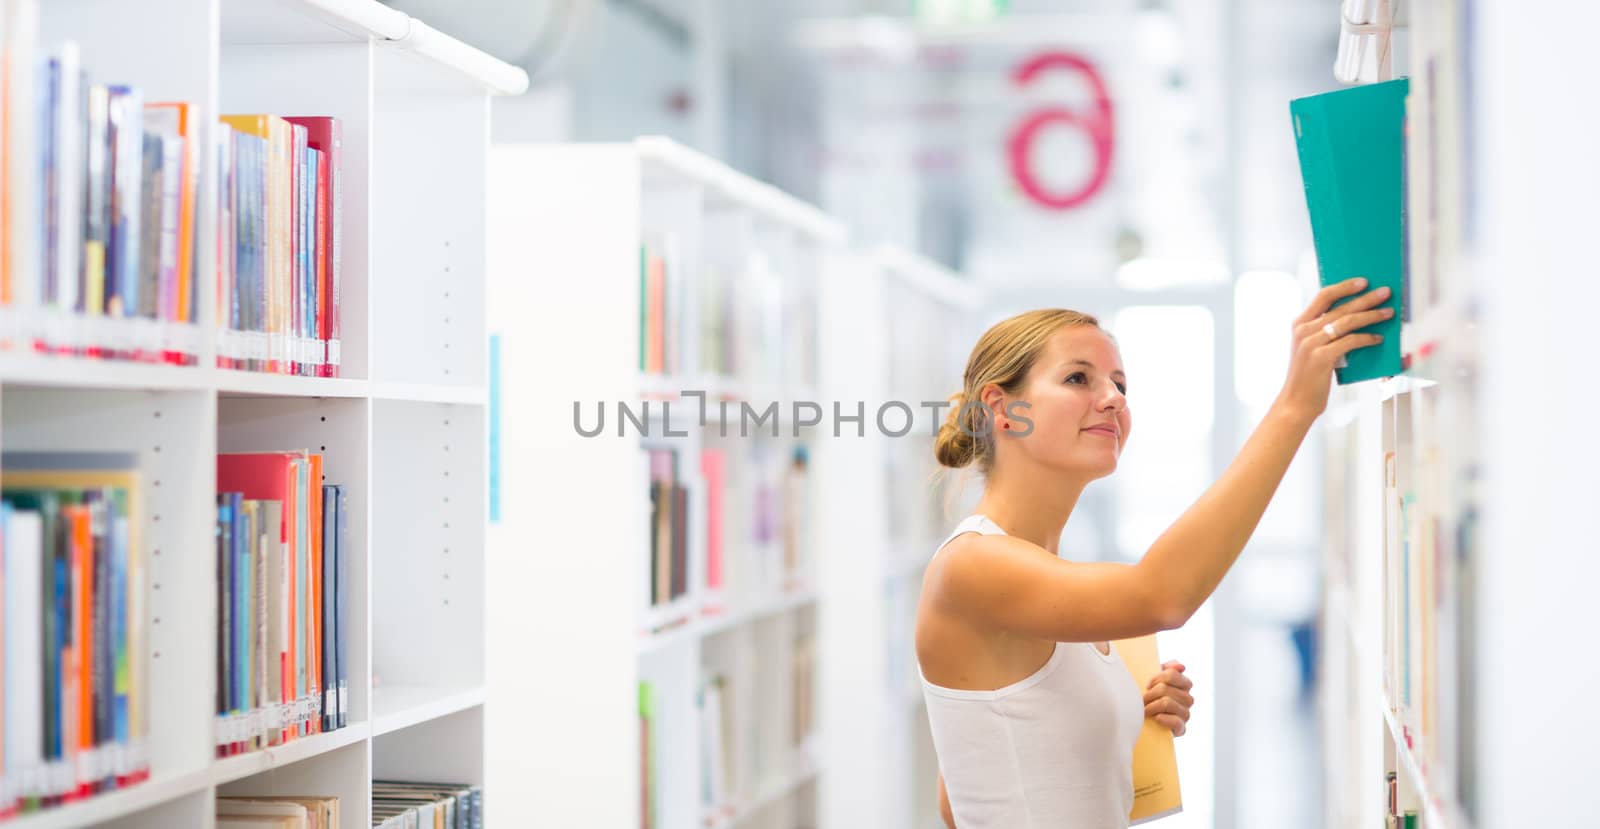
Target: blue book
{"x":122,"y":677}
{"x":330,"y":592}
{"x":225,"y":530}
{"x":342,"y":600}
{"x":125,"y":115}
{"x":1351,"y":145}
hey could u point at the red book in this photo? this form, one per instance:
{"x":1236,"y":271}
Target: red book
{"x":712,"y":466}
{"x":325,"y":135}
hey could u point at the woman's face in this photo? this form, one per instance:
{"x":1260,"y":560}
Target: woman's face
{"x":1075,"y":399}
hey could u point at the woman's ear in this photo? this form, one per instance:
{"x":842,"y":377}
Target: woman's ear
{"x":994,"y":401}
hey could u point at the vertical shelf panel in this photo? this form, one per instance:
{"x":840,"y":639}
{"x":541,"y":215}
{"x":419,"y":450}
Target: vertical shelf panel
{"x":547,"y":570}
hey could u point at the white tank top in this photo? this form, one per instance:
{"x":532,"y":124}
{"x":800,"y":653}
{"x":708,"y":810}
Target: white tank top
{"x":1051,"y":751}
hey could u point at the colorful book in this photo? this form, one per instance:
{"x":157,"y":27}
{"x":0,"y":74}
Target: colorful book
{"x":1350,"y":144}
{"x":325,"y":135}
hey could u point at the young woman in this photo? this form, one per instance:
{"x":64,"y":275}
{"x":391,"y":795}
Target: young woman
{"x":1033,"y":715}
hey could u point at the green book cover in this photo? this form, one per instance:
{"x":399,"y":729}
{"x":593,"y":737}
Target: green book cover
{"x":1350,"y":144}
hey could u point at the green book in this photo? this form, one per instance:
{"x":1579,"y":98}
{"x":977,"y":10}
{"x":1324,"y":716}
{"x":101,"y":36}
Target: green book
{"x":647,"y":749}
{"x":1351,"y":146}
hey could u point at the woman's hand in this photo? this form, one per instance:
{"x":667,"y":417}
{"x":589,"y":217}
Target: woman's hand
{"x":1167,"y":698}
{"x":1305,"y":391}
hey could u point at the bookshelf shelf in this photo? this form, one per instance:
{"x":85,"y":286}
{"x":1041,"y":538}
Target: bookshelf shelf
{"x":706,"y":623}
{"x":402,"y":706}
{"x":228,"y":769}
{"x":404,"y":429}
{"x":74,"y":372}
{"x":427,"y":393}
{"x":231,"y":383}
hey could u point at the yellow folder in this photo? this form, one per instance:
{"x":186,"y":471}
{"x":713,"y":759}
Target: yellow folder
{"x":1155,"y":760}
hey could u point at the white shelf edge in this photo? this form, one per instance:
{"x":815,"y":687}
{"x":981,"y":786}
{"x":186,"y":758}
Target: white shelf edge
{"x":252,"y":383}
{"x":112,"y":805}
{"x":741,"y":189}
{"x":449,"y":701}
{"x":20,"y":369}
{"x":703,"y":626}
{"x":499,"y":77}
{"x":768,"y":606}
{"x":1391,"y":387}
{"x":430,"y":393}
{"x":369,"y":16}
{"x":228,"y":769}
{"x":374,"y":20}
{"x":1435,"y":812}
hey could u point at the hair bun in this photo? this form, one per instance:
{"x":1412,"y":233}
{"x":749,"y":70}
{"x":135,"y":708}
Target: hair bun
{"x":955,"y":447}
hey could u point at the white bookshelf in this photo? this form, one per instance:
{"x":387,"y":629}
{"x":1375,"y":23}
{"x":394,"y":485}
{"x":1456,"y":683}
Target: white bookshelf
{"x":921,"y":320}
{"x":572,"y":630}
{"x":1400,"y":659}
{"x":404,"y":427}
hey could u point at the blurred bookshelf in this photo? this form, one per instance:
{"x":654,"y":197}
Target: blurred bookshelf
{"x":658,"y":536}
{"x":1398,"y":704}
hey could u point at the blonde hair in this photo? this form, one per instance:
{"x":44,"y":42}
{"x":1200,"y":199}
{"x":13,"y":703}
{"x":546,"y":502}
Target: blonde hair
{"x":1003,"y":356}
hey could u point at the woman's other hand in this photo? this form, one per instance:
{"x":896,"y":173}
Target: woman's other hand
{"x":1167,"y":698}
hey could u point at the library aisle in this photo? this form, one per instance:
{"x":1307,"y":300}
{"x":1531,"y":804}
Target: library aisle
{"x":450,"y":413}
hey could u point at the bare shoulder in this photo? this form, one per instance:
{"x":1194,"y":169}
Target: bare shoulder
{"x":973,"y":567}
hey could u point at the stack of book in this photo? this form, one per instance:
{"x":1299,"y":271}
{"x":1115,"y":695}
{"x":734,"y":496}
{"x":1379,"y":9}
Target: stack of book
{"x":76,"y":698}
{"x":669,"y":522}
{"x":279,"y":244}
{"x":277,"y":813}
{"x":661,"y":306}
{"x":405,"y":805}
{"x":282,"y":569}
{"x":97,"y":243}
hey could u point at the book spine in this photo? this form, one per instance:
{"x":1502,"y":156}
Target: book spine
{"x":324,"y":258}
{"x":343,"y":611}
{"x":224,"y":545}
{"x":336,"y":267}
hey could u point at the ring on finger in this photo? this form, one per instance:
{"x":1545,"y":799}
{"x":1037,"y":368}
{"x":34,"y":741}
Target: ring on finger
{"x":1333,"y":333}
